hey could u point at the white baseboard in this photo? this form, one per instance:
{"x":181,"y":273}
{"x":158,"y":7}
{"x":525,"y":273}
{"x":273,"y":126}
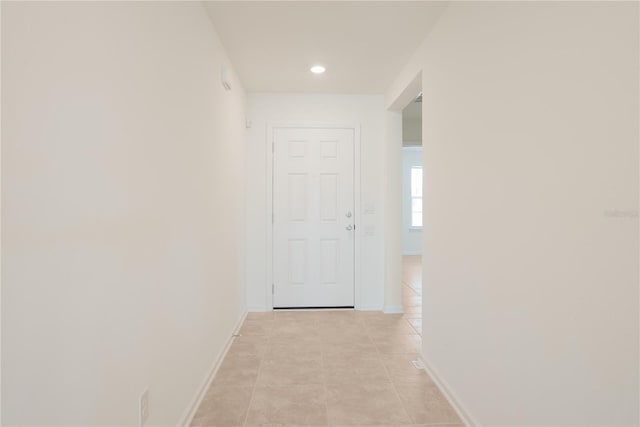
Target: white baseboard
{"x":411,"y":253}
{"x":190,"y":412}
{"x":393,"y":309}
{"x":464,"y":415}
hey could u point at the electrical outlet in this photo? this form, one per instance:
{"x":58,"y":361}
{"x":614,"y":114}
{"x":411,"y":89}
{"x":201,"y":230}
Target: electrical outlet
{"x":143,"y":408}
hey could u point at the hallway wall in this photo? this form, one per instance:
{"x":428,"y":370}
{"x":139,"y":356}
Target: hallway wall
{"x":122,"y":194}
{"x":530,"y":116}
{"x":365,"y":110}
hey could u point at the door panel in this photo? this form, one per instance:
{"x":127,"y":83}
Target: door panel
{"x":313,"y":213}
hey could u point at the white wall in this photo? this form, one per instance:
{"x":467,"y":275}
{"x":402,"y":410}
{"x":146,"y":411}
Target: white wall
{"x":531,"y":247}
{"x":122,"y":194}
{"x":392,"y":171}
{"x":367,"y":111}
{"x":411,"y":236}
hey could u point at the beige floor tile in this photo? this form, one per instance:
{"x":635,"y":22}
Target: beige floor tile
{"x":346,"y":337}
{"x":292,"y":369}
{"x":426,"y":404}
{"x":383,"y":321}
{"x":354,"y":369}
{"x":412,"y":301}
{"x":415,"y":322}
{"x":292,"y":339}
{"x":414,"y":283}
{"x":283,"y":346}
{"x":346,"y":348}
{"x":328,"y":315}
{"x":417,"y":310}
{"x":412,"y":279}
{"x":294,"y":328}
{"x":340,"y":325}
{"x":238,"y":371}
{"x":408,"y":291}
{"x":373,"y":404}
{"x":399,"y":344}
{"x":398,"y":328}
{"x":291,"y":405}
{"x":262,"y":315}
{"x":412,"y":272}
{"x":365,"y":314}
{"x":411,"y":425}
{"x":401,"y":370}
{"x":291,"y":314}
{"x":253,"y":345}
{"x":343,"y":334}
{"x":223,"y":406}
{"x":300,"y":315}
{"x":435,"y":425}
{"x":256,"y":327}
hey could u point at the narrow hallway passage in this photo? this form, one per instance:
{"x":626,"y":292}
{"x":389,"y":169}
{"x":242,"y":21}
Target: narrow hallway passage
{"x":412,"y":290}
{"x":151,"y":198}
{"x":328,"y":368}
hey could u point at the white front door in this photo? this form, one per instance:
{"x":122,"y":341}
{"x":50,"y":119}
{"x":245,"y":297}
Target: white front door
{"x":313,"y":217}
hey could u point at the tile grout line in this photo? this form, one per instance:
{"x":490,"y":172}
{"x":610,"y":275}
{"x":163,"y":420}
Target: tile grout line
{"x":419,"y":351}
{"x":395,"y":389}
{"x":255,"y":384}
{"x":324,"y":378}
{"x":393,"y":384}
{"x":413,"y":327}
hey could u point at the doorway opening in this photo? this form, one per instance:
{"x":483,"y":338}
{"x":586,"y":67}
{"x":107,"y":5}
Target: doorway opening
{"x":412,"y":211}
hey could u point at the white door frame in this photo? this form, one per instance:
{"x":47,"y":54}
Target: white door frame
{"x":269,"y":202}
{"x":393,"y":196}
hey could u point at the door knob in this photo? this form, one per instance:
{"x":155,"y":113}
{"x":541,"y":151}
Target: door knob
{"x":349,"y":227}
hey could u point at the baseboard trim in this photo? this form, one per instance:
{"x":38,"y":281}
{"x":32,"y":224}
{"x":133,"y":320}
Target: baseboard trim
{"x":411,"y":253}
{"x":190,"y":412}
{"x":393,"y":309}
{"x":453,"y":399}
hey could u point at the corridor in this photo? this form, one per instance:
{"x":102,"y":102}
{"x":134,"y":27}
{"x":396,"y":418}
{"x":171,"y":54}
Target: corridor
{"x":339,"y":367}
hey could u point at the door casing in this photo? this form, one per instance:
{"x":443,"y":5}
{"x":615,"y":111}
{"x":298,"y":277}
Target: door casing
{"x":269,"y":202}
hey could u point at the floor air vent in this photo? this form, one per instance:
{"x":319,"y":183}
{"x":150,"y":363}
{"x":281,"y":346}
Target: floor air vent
{"x":417,"y":364}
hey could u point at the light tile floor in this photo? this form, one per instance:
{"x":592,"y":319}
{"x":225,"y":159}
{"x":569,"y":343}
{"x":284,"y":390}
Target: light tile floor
{"x":328,"y":368}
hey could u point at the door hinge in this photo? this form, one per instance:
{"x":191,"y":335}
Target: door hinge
{"x":273,"y":289}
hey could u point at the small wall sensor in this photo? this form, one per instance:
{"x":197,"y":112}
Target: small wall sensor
{"x":225,"y":78}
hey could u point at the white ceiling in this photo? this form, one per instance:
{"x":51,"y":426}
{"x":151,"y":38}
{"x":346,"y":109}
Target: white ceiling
{"x":363,"y":44}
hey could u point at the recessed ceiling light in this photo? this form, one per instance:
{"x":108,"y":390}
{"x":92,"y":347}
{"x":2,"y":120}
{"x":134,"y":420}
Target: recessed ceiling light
{"x":318,"y":69}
